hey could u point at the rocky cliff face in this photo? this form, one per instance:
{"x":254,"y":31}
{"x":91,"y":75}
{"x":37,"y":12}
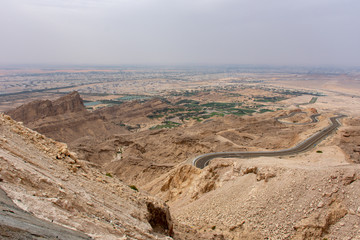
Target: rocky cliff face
{"x":43,"y":177}
{"x":349,"y":139}
{"x":44,"y":108}
{"x":65,"y":119}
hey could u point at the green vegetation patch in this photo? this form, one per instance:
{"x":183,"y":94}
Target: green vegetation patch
{"x":111,"y":102}
{"x":152,"y":116}
{"x":198,"y":119}
{"x":219,"y":105}
{"x":133,"y":187}
{"x":265,"y":110}
{"x":186,"y":109}
{"x":187,"y":101}
{"x":166,"y":124}
{"x":313,"y":100}
{"x":268,"y":99}
{"x":298,"y":93}
{"x":168,"y":110}
{"x":241,"y":112}
{"x":133,"y":97}
{"x":234,"y":94}
{"x":88,"y":103}
{"x":187,"y":93}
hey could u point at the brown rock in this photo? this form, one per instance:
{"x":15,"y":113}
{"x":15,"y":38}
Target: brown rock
{"x":160,"y":219}
{"x":348,"y":179}
{"x":318,"y":223}
{"x":43,"y":108}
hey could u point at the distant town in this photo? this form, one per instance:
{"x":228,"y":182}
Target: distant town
{"x":118,"y":84}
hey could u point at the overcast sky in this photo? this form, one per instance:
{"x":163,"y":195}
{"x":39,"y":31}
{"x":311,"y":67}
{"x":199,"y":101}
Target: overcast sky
{"x":285,"y":32}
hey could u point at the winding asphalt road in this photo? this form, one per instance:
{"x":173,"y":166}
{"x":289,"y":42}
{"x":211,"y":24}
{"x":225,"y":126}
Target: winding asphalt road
{"x":203,"y":160}
{"x":312,"y":117}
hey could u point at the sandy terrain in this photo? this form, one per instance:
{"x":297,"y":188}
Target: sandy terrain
{"x":332,"y":103}
{"x":342,"y":94}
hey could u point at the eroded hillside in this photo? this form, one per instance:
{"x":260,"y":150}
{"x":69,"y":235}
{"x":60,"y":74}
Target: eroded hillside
{"x":312,"y":195}
{"x":44,"y":178}
{"x":307,"y":198}
{"x":119,"y":140}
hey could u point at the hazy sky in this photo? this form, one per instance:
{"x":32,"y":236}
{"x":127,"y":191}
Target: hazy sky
{"x":287,"y":32}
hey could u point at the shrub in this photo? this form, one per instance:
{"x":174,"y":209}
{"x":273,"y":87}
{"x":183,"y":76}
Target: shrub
{"x":133,"y":187}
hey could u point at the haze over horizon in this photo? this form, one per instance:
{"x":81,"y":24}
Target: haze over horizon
{"x":279,"y":32}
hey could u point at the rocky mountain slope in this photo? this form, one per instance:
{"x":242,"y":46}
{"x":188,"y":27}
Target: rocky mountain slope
{"x":16,"y":223}
{"x":349,"y":139}
{"x":141,"y":156}
{"x":41,"y":176}
{"x":67,"y":120}
{"x":267,"y":198}
{"x":39,"y":109}
{"x":105,"y":136}
{"x":314,"y":195}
